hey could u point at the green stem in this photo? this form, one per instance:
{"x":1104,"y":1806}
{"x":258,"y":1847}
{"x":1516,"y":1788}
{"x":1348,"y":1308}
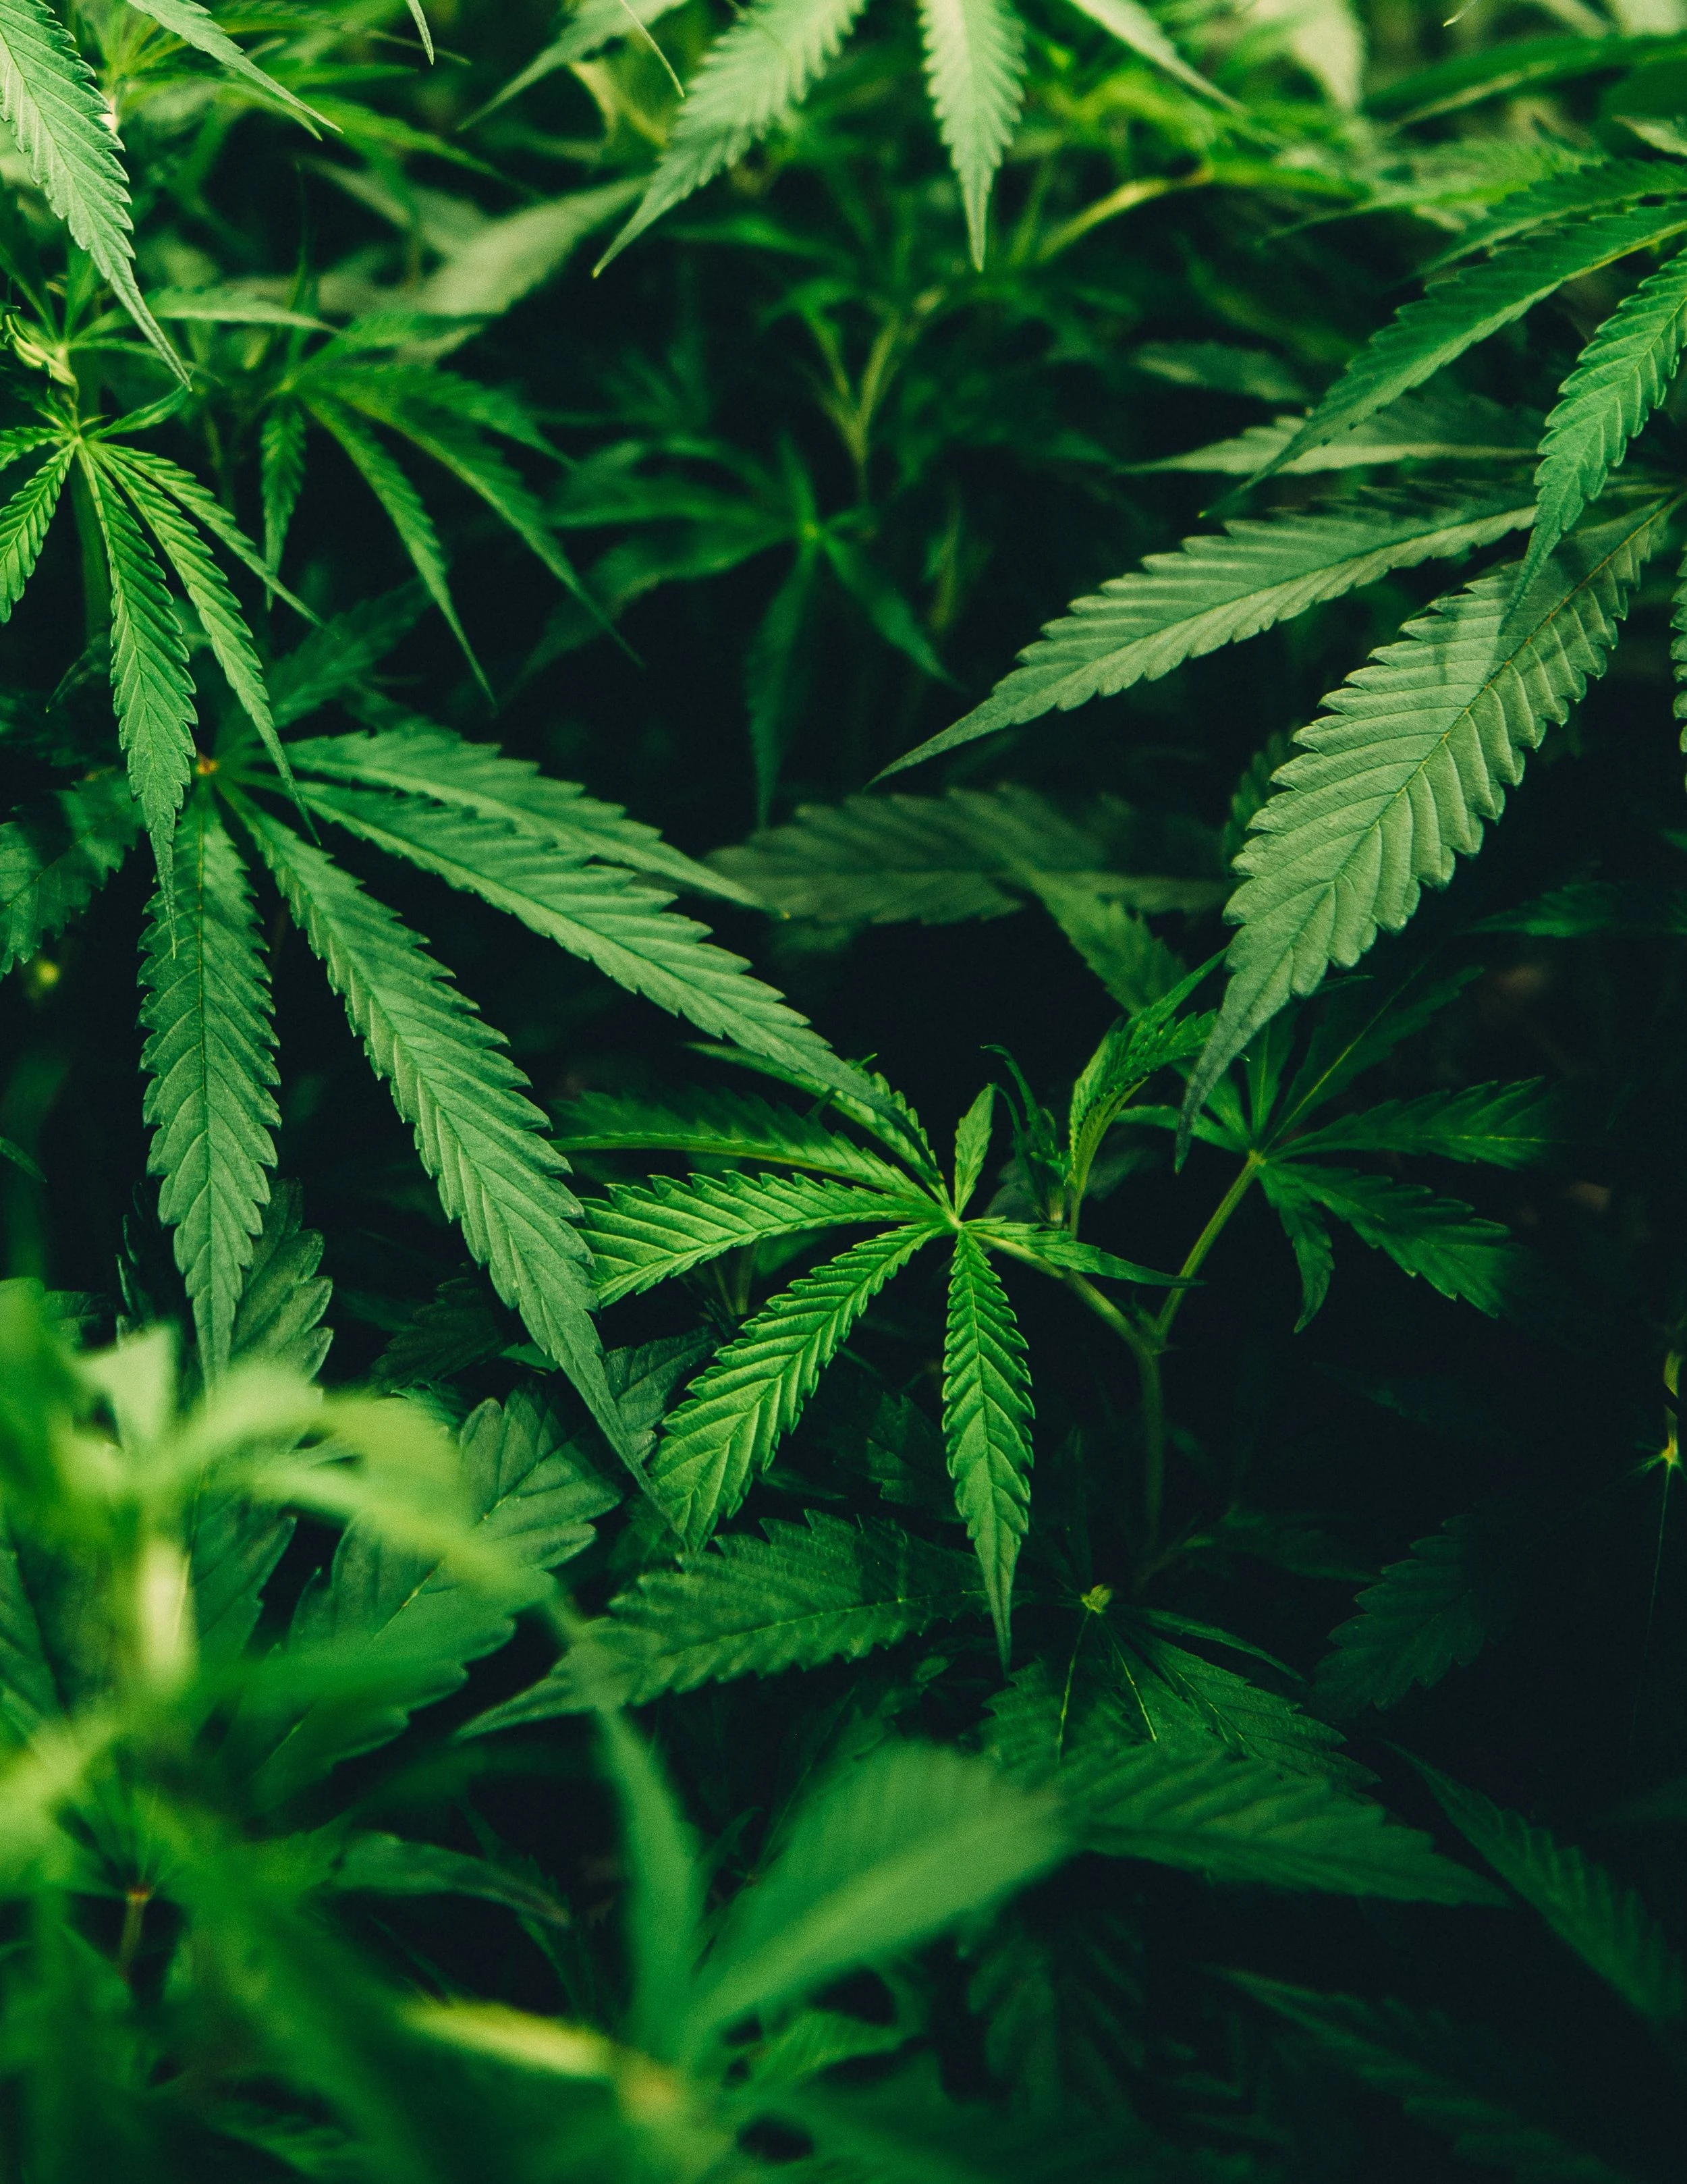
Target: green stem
{"x":1145,"y":1349}
{"x":1204,"y":1243}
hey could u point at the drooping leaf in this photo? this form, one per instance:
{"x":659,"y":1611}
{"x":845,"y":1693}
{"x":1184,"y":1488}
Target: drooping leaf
{"x":1620,"y":378}
{"x":1585,"y":1905}
{"x":196,"y":27}
{"x":1468,"y":1259}
{"x":49,"y":99}
{"x":1423,"y":1616}
{"x":643,"y":1234}
{"x":54,"y":857}
{"x":150,"y":683}
{"x":974,"y":66}
{"x":892,"y":1849}
{"x":1466,"y":306}
{"x":987,"y":1422}
{"x":821,"y":1590}
{"x":208,"y":587}
{"x":753,"y":1393}
{"x":426,"y":761}
{"x":1133,"y":26}
{"x":387,"y":481}
{"x":751,"y":77}
{"x":210,"y":1057}
{"x":1219,"y":588}
{"x":282,"y":460}
{"x":392,"y":1865}
{"x":617,"y":923}
{"x":1415,"y":753}
{"x":477,"y":1134}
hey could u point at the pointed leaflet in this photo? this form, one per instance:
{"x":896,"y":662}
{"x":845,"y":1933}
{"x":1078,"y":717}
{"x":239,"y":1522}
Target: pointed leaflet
{"x":1620,"y":378}
{"x":284,"y":1298}
{"x":1593,"y":188}
{"x":821,"y":1590}
{"x":427,"y":760}
{"x":208,"y":587}
{"x":477,"y":1134}
{"x":1502,"y":1125}
{"x":1498,"y":2109}
{"x":1219,"y":588}
{"x":1417,"y":750}
{"x":23,"y":526}
{"x":618,"y":923}
{"x":404,"y":511}
{"x":1466,"y":307}
{"x":391,"y":1628}
{"x":1441,"y":425}
{"x":974,"y":62}
{"x":150,"y":683}
{"x":1468,"y":1259}
{"x":643,"y":1234}
{"x":1587,"y":1907}
{"x":725,"y":1125}
{"x":665,"y":1897}
{"x":751,"y":77}
{"x":1132,"y":26}
{"x":195,"y":26}
{"x":987,"y":1421}
{"x":211,"y":1059}
{"x":186,"y":490}
{"x":282,"y":459}
{"x":55,"y":855}
{"x":48,"y":96}
{"x":736,"y":1412}
{"x":892,"y":1849}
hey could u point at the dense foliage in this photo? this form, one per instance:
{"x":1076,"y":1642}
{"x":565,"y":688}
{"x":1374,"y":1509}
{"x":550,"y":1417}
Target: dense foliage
{"x":654,"y":1614}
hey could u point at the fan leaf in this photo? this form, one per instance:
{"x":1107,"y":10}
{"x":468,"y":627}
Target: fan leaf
{"x":975,"y":65}
{"x":476,"y":1133}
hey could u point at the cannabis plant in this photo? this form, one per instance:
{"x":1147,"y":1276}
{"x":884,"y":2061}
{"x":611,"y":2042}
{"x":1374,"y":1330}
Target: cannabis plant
{"x":775,"y":1640}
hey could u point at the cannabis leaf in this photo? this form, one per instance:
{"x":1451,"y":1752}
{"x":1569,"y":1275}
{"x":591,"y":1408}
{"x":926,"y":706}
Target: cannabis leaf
{"x":1220,"y":587}
{"x":750,"y":78}
{"x":1466,"y":307}
{"x":1620,"y":378}
{"x":67,"y":135}
{"x":1416,"y":751}
{"x":211,"y":1059}
{"x":1586,"y":1906}
{"x":974,"y":65}
{"x":986,"y":1420}
{"x":54,"y":857}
